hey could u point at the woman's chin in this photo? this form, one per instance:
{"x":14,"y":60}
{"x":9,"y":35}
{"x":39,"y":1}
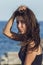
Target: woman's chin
{"x":21,"y":32}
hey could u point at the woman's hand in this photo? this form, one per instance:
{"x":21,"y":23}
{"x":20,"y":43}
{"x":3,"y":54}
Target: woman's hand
{"x":22,"y":8}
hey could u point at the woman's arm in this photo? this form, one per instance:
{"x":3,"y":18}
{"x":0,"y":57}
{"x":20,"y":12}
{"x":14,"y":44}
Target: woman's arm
{"x":8,"y":26}
{"x":7,"y":30}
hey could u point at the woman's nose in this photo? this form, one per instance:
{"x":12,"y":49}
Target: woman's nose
{"x":19,"y":25}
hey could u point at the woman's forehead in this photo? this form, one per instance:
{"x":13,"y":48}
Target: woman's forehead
{"x":19,"y":18}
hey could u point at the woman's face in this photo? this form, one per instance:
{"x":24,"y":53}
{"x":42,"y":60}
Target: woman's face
{"x":21,"y":25}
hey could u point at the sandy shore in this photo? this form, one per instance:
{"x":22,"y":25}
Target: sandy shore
{"x":12,"y":58}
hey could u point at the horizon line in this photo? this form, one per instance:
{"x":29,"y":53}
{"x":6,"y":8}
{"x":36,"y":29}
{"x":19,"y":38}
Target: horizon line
{"x":7,"y":20}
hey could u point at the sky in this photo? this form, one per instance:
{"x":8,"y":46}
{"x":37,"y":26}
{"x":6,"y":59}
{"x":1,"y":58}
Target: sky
{"x":7,"y":7}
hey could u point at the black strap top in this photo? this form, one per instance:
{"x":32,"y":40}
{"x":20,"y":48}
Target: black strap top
{"x":37,"y":61}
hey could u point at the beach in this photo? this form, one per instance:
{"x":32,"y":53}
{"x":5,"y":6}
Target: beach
{"x":12,"y":58}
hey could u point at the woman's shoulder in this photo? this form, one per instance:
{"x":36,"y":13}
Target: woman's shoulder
{"x":39,"y":50}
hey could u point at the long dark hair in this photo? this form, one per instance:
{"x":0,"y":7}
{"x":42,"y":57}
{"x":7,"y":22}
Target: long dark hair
{"x":33,"y":30}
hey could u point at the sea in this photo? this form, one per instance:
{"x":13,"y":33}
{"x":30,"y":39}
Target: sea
{"x":9,"y":45}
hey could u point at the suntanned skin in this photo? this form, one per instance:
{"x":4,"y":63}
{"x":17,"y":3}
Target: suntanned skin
{"x":7,"y":31}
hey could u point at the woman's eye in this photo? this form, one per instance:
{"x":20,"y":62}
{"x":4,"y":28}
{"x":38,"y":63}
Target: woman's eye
{"x":17,"y":22}
{"x":22,"y":22}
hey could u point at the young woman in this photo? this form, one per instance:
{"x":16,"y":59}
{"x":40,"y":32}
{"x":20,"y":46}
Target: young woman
{"x":28,"y":33}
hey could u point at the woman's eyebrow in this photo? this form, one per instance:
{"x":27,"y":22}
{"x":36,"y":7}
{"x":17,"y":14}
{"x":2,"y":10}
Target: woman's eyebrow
{"x":20,"y":20}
